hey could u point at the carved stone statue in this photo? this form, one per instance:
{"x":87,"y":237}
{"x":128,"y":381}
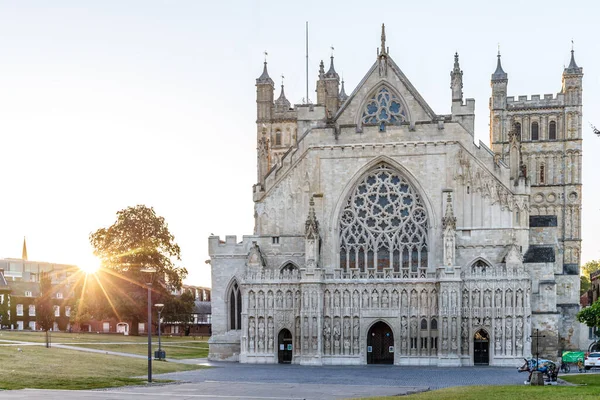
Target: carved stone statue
{"x":365,"y":299}
{"x":270,"y":300}
{"x":487,"y":299}
{"x":385,"y":299}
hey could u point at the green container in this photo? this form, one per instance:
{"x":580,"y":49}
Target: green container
{"x":572,"y":356}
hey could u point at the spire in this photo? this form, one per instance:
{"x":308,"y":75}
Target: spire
{"x":331,"y":73}
{"x":282,"y":103}
{"x":499,"y":74}
{"x":312,"y":225}
{"x":321,"y":70}
{"x":24,"y":254}
{"x":343,"y":96}
{"x":573,"y":68}
{"x":265,"y":78}
{"x":456,"y":83}
{"x":382,"y":51}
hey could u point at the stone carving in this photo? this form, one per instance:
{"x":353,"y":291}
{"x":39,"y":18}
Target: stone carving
{"x":305,"y":332}
{"x":356,"y":334}
{"x":270,"y":333}
{"x":508,"y":329}
{"x":453,"y":300}
{"x":487,"y":298}
{"x":355,"y":299}
{"x":297,"y":299}
{"x":395,"y":299}
{"x":449,"y":235}
{"x":313,"y":300}
{"x":519,"y":328}
{"x":365,"y":299}
{"x":327,"y":301}
{"x":464,"y":333}
{"x":298,"y":334}
{"x":315,"y":340}
{"x":289,"y":303}
{"x":385,"y":299}
{"x":453,"y":335}
{"x":413,"y":300}
{"x":251,"y":300}
{"x":374,"y":299}
{"x":251,"y":334}
{"x":423,"y":300}
{"x":270,"y":300}
{"x":327,"y":336}
{"x":261,"y":300}
{"x":279,"y":299}
{"x":404,"y":299}
{"x":336,"y":336}
{"x":498,"y":298}
{"x":465,"y":298}
{"x":519,"y":298}
{"x":336,"y":299}
{"x":509,"y":298}
{"x":476,"y":298}
{"x":261,"y":335}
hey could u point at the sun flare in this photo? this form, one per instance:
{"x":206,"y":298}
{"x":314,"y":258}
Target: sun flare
{"x":91,"y":266}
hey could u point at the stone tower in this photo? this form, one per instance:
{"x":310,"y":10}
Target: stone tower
{"x":548,"y":129}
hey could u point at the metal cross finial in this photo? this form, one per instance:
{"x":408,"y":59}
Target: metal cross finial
{"x":572,"y":45}
{"x":266,"y":54}
{"x":332,"y":49}
{"x":498,"y":48}
{"x":282,"y":78}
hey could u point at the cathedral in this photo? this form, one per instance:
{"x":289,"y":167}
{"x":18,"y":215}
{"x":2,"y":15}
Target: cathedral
{"x":384,"y":234}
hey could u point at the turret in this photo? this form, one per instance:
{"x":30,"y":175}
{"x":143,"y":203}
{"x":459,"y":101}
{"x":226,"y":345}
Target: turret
{"x":282,"y":103}
{"x":265,"y":88}
{"x":499,"y":87}
{"x":343,"y":96}
{"x":461,"y":112}
{"x":572,"y":83}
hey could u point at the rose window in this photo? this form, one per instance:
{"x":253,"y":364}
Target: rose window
{"x":384,"y":226}
{"x":384,"y":107}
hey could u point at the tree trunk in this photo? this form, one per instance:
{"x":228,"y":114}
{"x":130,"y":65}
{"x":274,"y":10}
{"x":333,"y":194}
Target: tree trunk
{"x":47,"y":339}
{"x":135,"y":327}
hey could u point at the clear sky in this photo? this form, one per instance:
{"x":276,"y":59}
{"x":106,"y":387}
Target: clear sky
{"x":107,"y":104}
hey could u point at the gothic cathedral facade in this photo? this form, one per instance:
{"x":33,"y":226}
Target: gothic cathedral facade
{"x":383,"y":234}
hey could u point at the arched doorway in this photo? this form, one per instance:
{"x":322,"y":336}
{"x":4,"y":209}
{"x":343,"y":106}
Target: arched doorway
{"x":284,"y":346}
{"x":481,"y":352}
{"x":380,"y":344}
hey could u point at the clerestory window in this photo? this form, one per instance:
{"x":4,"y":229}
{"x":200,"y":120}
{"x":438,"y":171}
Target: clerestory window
{"x":552,"y":130}
{"x":384,"y":226}
{"x":535,"y":131}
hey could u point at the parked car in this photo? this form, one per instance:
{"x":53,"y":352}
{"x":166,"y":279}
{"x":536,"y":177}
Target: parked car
{"x":592,"y":360}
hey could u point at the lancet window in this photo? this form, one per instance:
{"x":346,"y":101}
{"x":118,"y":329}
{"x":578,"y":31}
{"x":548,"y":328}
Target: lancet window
{"x":384,"y":108}
{"x":384,"y":226}
{"x":235,"y":307}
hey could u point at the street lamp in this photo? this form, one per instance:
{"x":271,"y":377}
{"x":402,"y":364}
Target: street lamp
{"x":159,"y":355}
{"x":150,"y":275}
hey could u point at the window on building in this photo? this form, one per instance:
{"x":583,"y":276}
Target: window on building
{"x":59,"y":295}
{"x":518,"y":128}
{"x":424,"y":324}
{"x":434,"y":324}
{"x":542,"y":174}
{"x":67,"y":311}
{"x":19,"y":310}
{"x":552,"y":130}
{"x":235,"y":307}
{"x":28,"y":293}
{"x":592,"y":333}
{"x":56,"y":311}
{"x":31,"y":310}
{"x":32,"y":325}
{"x":535,"y":131}
{"x":384,"y":212}
{"x":385,"y":107}
{"x":275,"y":240}
{"x":277,"y":137}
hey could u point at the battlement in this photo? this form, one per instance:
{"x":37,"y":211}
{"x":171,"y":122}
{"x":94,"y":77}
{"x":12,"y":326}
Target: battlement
{"x":536,"y":101}
{"x":230,"y":246}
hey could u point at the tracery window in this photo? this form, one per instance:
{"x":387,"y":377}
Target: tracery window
{"x":384,"y":108}
{"x":384,"y":225}
{"x":479,"y":267}
{"x":277,"y":137}
{"x":235,"y":307}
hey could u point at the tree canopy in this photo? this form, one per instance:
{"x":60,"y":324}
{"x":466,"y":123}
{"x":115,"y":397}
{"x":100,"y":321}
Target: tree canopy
{"x":138,"y":239}
{"x":590,"y":316}
{"x":589,"y":267}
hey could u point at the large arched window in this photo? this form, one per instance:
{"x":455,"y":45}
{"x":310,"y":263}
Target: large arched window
{"x":552,"y":130}
{"x":235,"y":307}
{"x":535,"y":131}
{"x":384,"y":107}
{"x":384,"y":225}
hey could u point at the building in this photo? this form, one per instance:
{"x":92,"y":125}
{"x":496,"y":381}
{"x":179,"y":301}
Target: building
{"x":19,"y":282}
{"x":383,"y":234}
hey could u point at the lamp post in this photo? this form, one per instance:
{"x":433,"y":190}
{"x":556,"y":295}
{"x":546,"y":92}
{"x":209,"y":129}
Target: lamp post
{"x":150,"y":275}
{"x":159,"y":354}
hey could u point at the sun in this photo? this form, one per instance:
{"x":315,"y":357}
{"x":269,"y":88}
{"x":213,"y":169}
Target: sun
{"x":91,"y":266}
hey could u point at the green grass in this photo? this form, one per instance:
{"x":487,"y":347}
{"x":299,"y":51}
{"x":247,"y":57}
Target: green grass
{"x":177,"y":351}
{"x":65,"y":337}
{"x":41,"y":368}
{"x":591,"y":390}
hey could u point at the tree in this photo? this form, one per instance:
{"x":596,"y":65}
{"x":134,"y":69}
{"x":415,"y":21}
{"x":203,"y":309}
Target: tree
{"x":44,"y":309}
{"x":589,"y":267}
{"x":4,"y":314}
{"x":590,"y":316}
{"x":138,"y":239}
{"x":180,"y":310}
{"x":584,"y":284}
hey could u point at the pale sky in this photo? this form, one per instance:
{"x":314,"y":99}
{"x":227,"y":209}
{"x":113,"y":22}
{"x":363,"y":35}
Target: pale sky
{"x":109,"y":104}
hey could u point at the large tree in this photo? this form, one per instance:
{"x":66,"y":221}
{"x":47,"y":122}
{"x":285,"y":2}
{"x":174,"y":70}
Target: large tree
{"x":179,"y":310}
{"x":44,"y":307}
{"x":586,"y":270}
{"x":138,"y":239}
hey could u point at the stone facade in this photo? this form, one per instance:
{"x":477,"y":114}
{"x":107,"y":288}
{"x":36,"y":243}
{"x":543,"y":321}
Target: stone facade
{"x":384,"y":234}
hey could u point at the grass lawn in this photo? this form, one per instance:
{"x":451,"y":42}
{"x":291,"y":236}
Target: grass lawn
{"x":178,"y":351}
{"x":53,"y":368}
{"x":590,"y":391}
{"x":65,"y":337}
